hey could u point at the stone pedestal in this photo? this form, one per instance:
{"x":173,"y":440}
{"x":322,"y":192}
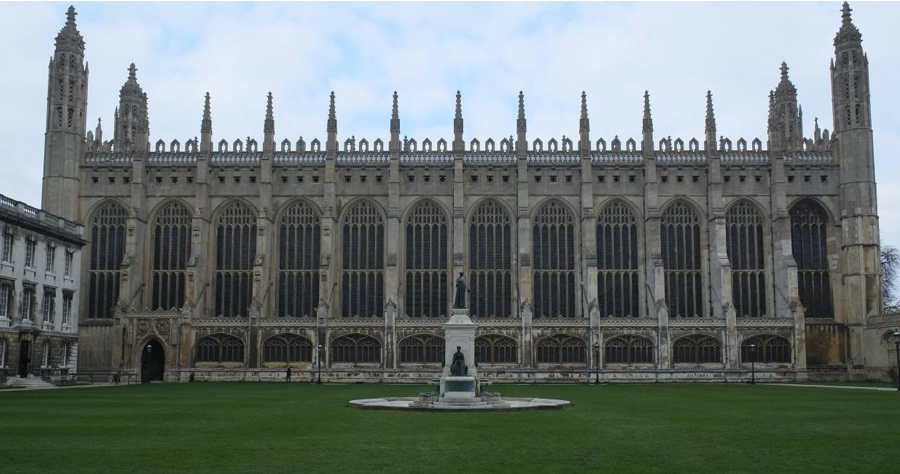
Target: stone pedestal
{"x":459,"y":332}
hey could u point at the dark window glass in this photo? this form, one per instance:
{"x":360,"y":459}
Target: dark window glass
{"x":235,"y":253}
{"x":617,"y":262}
{"x":362,"y":275}
{"x":171,"y":251}
{"x":299,"y":236}
{"x":490,"y":263}
{"x":744,"y":236}
{"x":553,"y":260}
{"x":107,"y":250}
{"x":356,"y":348}
{"x":426,"y":286}
{"x":561,"y":349}
{"x":421,"y":349}
{"x":496,"y":349}
{"x":679,"y":231}
{"x":810,"y":249}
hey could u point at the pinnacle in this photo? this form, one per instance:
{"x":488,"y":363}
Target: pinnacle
{"x":132,"y":72}
{"x":784,"y":71}
{"x":395,"y":109}
{"x":584,"y":113}
{"x":458,"y":105}
{"x":521,"y":105}
{"x":845,"y":15}
{"x":70,"y":16}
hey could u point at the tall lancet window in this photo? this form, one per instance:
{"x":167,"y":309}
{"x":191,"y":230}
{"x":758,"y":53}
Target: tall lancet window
{"x":171,"y":250}
{"x":680,"y":235}
{"x":744,"y":235}
{"x":362,"y":275}
{"x":553,"y":259}
{"x":617,"y":262}
{"x":490,"y":261}
{"x":809,"y":243}
{"x":107,"y":250}
{"x":299,"y":236}
{"x":426,"y":262}
{"x":235,"y":252}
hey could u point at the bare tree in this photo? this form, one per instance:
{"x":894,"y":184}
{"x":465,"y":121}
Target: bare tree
{"x":890,"y":267}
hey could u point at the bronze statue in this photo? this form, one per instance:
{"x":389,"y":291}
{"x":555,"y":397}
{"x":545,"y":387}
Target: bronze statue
{"x":458,"y":367}
{"x":460,"y":301}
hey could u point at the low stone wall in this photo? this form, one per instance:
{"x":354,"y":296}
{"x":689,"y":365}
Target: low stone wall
{"x":498,"y":377}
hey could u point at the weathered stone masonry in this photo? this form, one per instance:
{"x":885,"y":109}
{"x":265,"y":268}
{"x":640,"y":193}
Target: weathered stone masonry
{"x":650,"y":259}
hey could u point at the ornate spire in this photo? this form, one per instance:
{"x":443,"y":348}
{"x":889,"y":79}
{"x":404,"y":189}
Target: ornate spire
{"x":395,"y":124}
{"x":648,"y":120}
{"x":69,"y":38}
{"x":520,"y":122}
{"x":458,"y":144}
{"x":710,"y":123}
{"x":521,"y":128}
{"x":785,"y":117}
{"x":131,"y":86}
{"x":98,"y":133}
{"x":269,"y":124}
{"x":206,"y":123}
{"x":849,"y":34}
{"x":332,"y":117}
{"x":585,"y":125}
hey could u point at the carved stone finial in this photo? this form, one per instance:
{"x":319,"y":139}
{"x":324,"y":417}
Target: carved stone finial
{"x":332,"y":116}
{"x":521,"y":105}
{"x":648,"y":120}
{"x":395,"y":110}
{"x":458,"y":105}
{"x":206,"y":123}
{"x":70,"y":15}
{"x":269,"y":124}
{"x":784,"y":71}
{"x":584,"y":113}
{"x":132,"y":72}
{"x":845,"y":14}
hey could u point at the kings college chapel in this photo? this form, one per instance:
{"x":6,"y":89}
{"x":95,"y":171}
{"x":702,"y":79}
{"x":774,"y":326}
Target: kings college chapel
{"x":629,"y":260}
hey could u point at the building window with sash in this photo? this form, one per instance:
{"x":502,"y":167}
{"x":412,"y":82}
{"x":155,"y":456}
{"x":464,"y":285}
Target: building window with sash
{"x":427,"y":271}
{"x":362,"y":256}
{"x":67,"y":308}
{"x":235,"y":252}
{"x":809,"y":242}
{"x":490,"y":261}
{"x":7,"y":245}
{"x":299,"y":249}
{"x":67,"y":269}
{"x":49,"y":305}
{"x":30,"y":245}
{"x":171,"y":251}
{"x":107,"y":249}
{"x":28,"y":302}
{"x":617,"y":262}
{"x":553,"y":260}
{"x":51,"y":258}
{"x":679,"y":230}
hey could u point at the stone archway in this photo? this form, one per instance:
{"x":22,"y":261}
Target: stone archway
{"x":153,"y":362}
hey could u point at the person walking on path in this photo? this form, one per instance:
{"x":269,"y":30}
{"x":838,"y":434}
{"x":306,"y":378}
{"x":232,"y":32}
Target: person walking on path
{"x":287,"y":375}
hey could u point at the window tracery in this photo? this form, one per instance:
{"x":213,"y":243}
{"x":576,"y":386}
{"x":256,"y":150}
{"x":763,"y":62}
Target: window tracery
{"x":496,"y":349}
{"x":617,"y":262}
{"x":680,"y":238}
{"x":744,"y":237}
{"x":171,"y":250}
{"x":107,"y":250}
{"x":235,"y":253}
{"x":809,"y":242}
{"x":427,"y":271}
{"x":299,"y":244}
{"x":490,"y":261}
{"x":553,"y":259}
{"x":362,"y":277}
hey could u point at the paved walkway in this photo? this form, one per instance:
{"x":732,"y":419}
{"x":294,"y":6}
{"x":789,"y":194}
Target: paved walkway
{"x":848,"y":387}
{"x":15,"y":390}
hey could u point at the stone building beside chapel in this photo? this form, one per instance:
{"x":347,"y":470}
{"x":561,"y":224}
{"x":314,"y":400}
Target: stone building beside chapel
{"x":636,"y":259}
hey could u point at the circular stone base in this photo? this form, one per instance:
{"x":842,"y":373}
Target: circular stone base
{"x":476,"y":404}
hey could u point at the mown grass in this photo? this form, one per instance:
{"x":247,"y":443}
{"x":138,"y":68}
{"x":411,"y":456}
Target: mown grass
{"x":266,"y":427}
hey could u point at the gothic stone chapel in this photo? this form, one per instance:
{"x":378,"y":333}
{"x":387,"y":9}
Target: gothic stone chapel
{"x":647,"y":259}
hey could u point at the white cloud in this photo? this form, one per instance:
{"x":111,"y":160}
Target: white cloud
{"x":426,"y":52}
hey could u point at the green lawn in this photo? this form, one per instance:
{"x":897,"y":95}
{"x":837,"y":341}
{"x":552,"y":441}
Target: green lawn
{"x":265,"y":427}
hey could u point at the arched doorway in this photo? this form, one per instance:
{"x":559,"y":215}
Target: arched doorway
{"x":153,"y":362}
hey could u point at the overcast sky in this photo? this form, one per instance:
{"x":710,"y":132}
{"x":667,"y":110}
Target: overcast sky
{"x":552,"y":51}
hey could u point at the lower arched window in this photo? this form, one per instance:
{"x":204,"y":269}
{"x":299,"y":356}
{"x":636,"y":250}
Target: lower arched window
{"x":422,"y":349}
{"x":561,"y":349}
{"x":356,"y":349}
{"x":767,"y":349}
{"x":697,"y":350}
{"x":496,"y":350}
{"x":220,"y":348}
{"x":287,"y":348}
{"x":629,"y":350}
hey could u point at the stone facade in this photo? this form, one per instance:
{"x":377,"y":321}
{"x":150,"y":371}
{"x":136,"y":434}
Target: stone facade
{"x":40,"y":272}
{"x":722,"y":244}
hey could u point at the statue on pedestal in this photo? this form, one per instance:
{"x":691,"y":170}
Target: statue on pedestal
{"x":460,"y":301}
{"x":458,"y":366}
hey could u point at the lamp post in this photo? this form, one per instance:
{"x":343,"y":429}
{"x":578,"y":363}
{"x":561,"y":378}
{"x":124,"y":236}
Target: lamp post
{"x":319,"y":363}
{"x":597,"y":364}
{"x":896,"y":338}
{"x":752,"y":364}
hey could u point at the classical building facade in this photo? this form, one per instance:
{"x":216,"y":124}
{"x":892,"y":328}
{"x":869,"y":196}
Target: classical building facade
{"x":40,"y":272}
{"x":647,"y":259}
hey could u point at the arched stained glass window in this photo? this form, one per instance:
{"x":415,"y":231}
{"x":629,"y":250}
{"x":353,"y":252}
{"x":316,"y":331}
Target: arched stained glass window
{"x":362,"y":277}
{"x":235,"y":252}
{"x":744,"y":235}
{"x":287,"y":348}
{"x":617,"y":262}
{"x":810,"y":247}
{"x":427,"y":272}
{"x":422,"y":349}
{"x":680,"y":235}
{"x":553,"y":260}
{"x":171,"y":250}
{"x":490,"y":261}
{"x":220,"y":348}
{"x":496,"y":349}
{"x":767,"y":349}
{"x":355,"y":349}
{"x":107,"y":250}
{"x":299,"y":236}
{"x":561,"y":349}
{"x":696,"y":350}
{"x":629,"y":350}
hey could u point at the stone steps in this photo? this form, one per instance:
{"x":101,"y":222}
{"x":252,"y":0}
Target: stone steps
{"x":29,"y":382}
